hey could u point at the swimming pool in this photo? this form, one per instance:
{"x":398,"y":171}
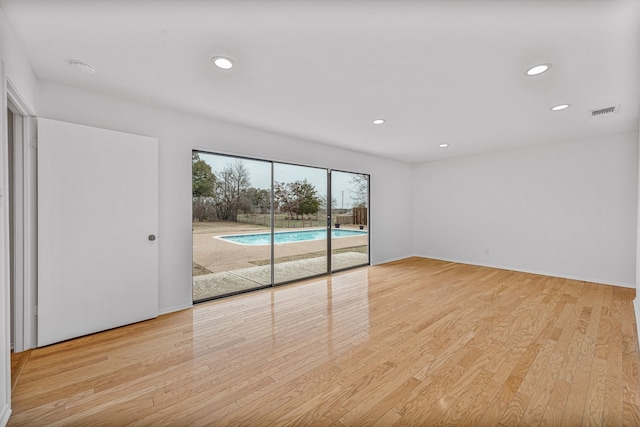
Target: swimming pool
{"x":289,"y":236}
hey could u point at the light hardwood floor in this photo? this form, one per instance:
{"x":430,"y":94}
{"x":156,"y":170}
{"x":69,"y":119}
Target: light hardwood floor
{"x":413,"y":342}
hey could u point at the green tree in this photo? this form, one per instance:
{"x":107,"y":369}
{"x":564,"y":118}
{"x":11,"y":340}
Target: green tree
{"x":297,"y":198}
{"x":307,"y":198}
{"x":203,"y":180}
{"x":203,"y":183}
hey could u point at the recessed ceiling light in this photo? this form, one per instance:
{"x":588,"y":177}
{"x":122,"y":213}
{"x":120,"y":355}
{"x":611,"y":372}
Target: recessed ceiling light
{"x":538,"y":69}
{"x":443,"y":145}
{"x":560,"y":107}
{"x":222,"y":62}
{"x":378,"y":121}
{"x":83,"y":67}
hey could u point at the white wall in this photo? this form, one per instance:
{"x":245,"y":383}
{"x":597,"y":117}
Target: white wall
{"x":178,"y":134}
{"x":566,"y":210}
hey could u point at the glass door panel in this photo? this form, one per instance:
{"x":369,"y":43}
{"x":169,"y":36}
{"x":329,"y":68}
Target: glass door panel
{"x":300,"y":222}
{"x":350,"y":216}
{"x":231,"y":213}
{"x":261,"y":223}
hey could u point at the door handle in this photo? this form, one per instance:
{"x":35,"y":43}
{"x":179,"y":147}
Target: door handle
{"x":152,"y":237}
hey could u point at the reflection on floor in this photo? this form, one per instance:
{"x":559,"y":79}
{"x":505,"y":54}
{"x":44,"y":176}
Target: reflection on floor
{"x":211,"y":285}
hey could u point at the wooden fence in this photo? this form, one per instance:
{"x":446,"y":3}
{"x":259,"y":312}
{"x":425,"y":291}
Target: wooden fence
{"x":360,"y":216}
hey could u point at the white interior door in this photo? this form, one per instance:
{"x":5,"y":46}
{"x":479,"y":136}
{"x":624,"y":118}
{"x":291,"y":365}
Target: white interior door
{"x":97,"y":208}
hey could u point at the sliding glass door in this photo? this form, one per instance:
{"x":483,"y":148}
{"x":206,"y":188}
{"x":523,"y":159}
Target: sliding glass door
{"x":259,"y":223}
{"x":231,"y":213}
{"x":350,"y":213}
{"x":300,"y":240}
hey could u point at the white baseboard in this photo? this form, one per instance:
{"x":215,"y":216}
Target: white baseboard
{"x":636,"y":306}
{"x":5,"y":413}
{"x":540,"y":273}
{"x":384,"y":261}
{"x":174,"y":309}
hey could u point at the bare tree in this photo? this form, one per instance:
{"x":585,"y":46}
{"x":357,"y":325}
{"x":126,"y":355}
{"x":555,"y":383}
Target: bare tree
{"x":259,"y":199}
{"x":359,"y":190}
{"x":233,"y":182}
{"x":203,"y":208}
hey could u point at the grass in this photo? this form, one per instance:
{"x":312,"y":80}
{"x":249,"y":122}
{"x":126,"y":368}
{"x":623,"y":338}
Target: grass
{"x":257,"y":222}
{"x":225,"y":227}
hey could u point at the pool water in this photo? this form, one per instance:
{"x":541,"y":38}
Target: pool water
{"x":289,"y":236}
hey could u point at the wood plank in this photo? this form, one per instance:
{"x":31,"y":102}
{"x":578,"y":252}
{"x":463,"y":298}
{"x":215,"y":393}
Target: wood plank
{"x":412,"y":342}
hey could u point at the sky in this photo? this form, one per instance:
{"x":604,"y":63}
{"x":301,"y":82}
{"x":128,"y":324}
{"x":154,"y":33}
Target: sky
{"x":260,"y":175}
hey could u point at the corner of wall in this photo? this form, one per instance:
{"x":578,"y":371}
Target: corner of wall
{"x":5,"y":413}
{"x":5,"y":344}
{"x":636,"y":310}
{"x":414,"y":215}
{"x":173,"y":309}
{"x":636,"y":303}
{"x":18,"y":68}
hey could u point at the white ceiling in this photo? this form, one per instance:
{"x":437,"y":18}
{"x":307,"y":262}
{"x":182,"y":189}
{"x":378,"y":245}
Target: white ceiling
{"x":440,"y":71}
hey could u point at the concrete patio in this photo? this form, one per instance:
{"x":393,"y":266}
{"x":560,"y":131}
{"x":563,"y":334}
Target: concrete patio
{"x":234,"y":267}
{"x":209,"y":285}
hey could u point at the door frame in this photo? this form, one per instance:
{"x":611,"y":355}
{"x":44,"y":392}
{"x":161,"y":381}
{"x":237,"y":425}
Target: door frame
{"x":24,"y":256}
{"x":330,"y":216}
{"x":329,"y":219}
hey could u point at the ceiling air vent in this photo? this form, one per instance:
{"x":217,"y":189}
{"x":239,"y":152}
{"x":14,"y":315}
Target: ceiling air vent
{"x":601,"y":112}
